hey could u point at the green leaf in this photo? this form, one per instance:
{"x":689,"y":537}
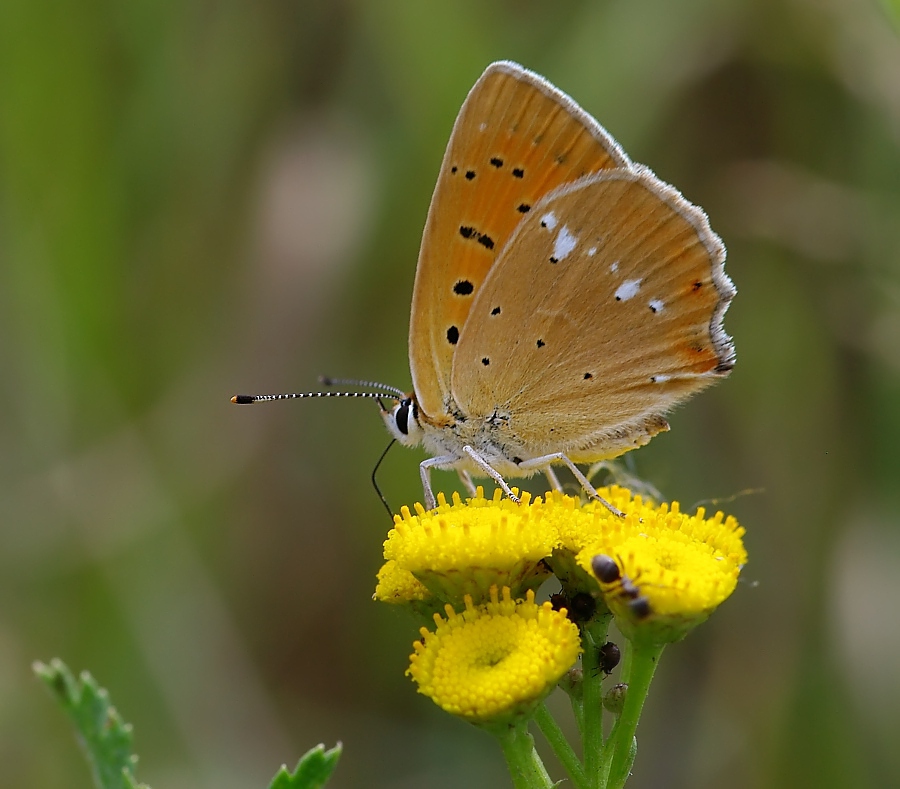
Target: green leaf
{"x":104,"y":737}
{"x":312,"y":771}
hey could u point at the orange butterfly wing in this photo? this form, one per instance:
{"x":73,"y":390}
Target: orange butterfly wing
{"x":516,"y":138}
{"x":620,"y":320}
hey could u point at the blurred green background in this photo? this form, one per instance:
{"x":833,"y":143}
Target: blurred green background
{"x":199,"y":198}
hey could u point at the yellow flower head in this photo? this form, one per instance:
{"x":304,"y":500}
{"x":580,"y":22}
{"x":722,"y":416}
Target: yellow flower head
{"x":494,"y":663}
{"x":582,"y":523}
{"x":664,"y":572}
{"x":459,"y":549}
{"x":669,"y":570}
{"x":396,"y":585}
{"x":579,"y":524}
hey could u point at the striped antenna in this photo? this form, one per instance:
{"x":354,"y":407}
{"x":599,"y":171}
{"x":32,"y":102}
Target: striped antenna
{"x":384,"y":391}
{"x":245,"y":399}
{"x":326,"y":381}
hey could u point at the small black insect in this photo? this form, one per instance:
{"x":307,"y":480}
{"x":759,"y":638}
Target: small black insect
{"x":605,"y":568}
{"x":609,"y":658}
{"x":607,"y":571}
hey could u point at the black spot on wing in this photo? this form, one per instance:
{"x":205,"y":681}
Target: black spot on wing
{"x":495,"y":311}
{"x":518,"y":172}
{"x":463,"y":288}
{"x":541,"y":343}
{"x":523,"y":208}
{"x":482,"y":238}
{"x":485,"y":361}
{"x":470,"y":174}
{"x":453,"y":335}
{"x":497,"y":162}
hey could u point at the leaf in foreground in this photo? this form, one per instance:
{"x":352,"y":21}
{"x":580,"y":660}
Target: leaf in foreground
{"x":312,"y":771}
{"x":104,"y":737}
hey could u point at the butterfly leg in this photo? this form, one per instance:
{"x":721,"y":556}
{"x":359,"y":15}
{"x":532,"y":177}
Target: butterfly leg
{"x":443,"y":461}
{"x":553,"y":479}
{"x":467,"y":481}
{"x":558,"y":457}
{"x":488,"y":469}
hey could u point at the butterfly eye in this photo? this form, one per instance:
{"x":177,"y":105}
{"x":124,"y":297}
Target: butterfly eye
{"x":401,"y":416}
{"x":406,"y":422}
{"x":403,"y":422}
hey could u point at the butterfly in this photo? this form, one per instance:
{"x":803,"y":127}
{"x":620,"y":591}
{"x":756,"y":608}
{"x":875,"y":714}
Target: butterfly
{"x":565,"y":298}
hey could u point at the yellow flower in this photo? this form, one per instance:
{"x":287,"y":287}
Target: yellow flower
{"x":582,"y":523}
{"x":665,"y":572}
{"x":669,"y":570}
{"x":494,"y":663}
{"x":396,"y":585}
{"x":579,"y":524}
{"x":459,"y":549}
{"x":400,"y":587}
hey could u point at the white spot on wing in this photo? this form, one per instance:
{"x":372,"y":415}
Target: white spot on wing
{"x":614,"y":267}
{"x":661,"y":378}
{"x":656,"y":305}
{"x":628,"y":289}
{"x":549,"y":220}
{"x":482,"y":127}
{"x":564,"y":244}
{"x":592,"y":251}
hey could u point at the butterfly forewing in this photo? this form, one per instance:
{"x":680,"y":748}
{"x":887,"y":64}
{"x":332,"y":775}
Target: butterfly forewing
{"x":516,"y":139}
{"x":603,"y":311}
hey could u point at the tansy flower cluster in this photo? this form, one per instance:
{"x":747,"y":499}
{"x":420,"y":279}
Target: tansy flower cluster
{"x":493,"y":653}
{"x":494,"y":661}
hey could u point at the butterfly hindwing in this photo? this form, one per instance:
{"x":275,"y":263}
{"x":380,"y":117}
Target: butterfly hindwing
{"x":603,"y":311}
{"x":515,"y":140}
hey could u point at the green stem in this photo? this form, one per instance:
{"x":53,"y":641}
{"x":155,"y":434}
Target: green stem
{"x":525,"y":766}
{"x":620,"y":748}
{"x":592,"y":710}
{"x":560,"y":745}
{"x":578,"y":711}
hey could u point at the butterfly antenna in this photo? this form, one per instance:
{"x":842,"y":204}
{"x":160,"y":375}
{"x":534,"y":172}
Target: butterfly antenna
{"x":245,"y":399}
{"x":393,"y":393}
{"x":375,"y":482}
{"x":326,"y":381}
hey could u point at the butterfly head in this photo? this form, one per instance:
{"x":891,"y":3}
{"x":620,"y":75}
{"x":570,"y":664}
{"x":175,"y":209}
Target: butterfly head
{"x":402,"y":421}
